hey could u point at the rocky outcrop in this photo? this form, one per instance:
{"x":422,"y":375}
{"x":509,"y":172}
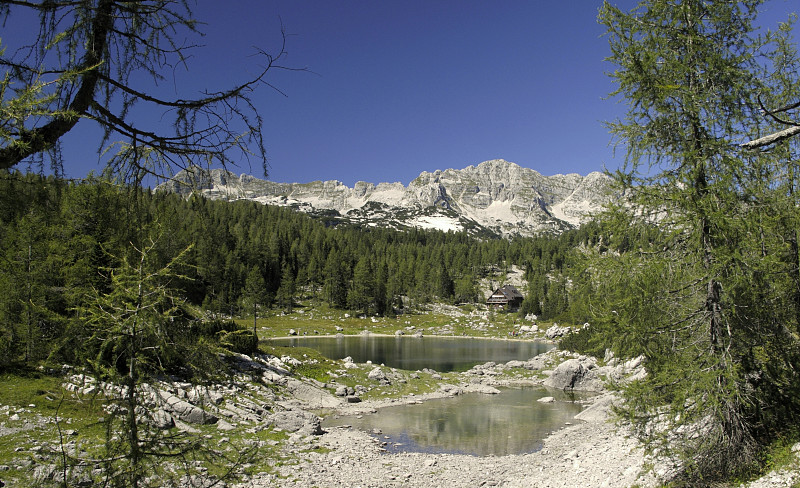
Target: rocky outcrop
{"x":312,"y":396}
{"x":187,"y":412}
{"x":497,"y":195}
{"x":556,"y":332}
{"x":576,"y":374}
{"x":296,"y":421}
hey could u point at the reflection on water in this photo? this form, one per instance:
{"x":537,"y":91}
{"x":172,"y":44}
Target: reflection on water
{"x":512,"y":422}
{"x":443,"y":354}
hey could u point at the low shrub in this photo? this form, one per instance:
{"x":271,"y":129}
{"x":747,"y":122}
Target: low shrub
{"x":227,"y":334}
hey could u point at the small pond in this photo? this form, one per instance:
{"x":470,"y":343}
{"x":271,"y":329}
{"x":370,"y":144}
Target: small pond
{"x":512,"y":422}
{"x":443,"y":354}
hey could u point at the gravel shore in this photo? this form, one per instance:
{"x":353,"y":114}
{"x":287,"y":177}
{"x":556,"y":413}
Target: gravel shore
{"x":591,"y":452}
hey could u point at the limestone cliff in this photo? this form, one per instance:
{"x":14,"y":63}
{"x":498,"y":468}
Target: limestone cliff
{"x":495,"y":196}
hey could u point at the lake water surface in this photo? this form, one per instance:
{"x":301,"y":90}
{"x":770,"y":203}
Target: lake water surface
{"x":443,"y":354}
{"x":512,"y":422}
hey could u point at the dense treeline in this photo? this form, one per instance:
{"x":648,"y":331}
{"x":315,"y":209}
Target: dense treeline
{"x":60,"y":240}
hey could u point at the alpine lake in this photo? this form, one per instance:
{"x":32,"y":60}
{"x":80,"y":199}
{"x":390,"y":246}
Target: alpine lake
{"x":511,"y":422}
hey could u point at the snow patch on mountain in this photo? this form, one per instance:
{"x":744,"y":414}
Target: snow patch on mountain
{"x":438,"y":222}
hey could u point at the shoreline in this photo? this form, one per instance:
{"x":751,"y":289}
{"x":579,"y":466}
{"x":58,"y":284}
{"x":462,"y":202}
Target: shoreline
{"x":543,"y":340}
{"x":589,"y":450}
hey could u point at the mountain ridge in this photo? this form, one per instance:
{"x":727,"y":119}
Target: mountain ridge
{"x":495,"y":197}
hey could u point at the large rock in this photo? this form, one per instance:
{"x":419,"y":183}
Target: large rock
{"x":536,"y":364}
{"x":557,"y":331}
{"x":624,"y":372}
{"x":297,"y":421}
{"x":311,"y":396}
{"x":204,"y":395}
{"x":598,"y":411}
{"x":481,"y":388}
{"x":160,"y":419}
{"x":574,"y":374}
{"x":187,"y":412}
{"x":377,"y":375}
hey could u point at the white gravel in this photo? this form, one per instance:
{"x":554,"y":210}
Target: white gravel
{"x":589,"y":453}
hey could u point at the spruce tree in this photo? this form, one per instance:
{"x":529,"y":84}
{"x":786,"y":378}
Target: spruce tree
{"x":255,"y":293}
{"x":335,"y":287}
{"x":361,"y":295}
{"x":285,"y":294}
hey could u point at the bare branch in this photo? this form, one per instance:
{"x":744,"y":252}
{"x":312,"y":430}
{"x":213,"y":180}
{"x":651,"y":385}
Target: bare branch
{"x":92,"y":53}
{"x":772,"y":138}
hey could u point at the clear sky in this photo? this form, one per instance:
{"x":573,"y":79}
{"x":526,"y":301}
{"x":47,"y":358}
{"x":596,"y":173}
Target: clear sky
{"x":395,"y":88}
{"x":404,"y":87}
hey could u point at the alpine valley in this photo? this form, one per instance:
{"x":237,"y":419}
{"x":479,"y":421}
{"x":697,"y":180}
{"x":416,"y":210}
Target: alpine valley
{"x":494,"y":198}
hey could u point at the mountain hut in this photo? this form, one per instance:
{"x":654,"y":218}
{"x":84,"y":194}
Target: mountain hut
{"x":505,"y":296}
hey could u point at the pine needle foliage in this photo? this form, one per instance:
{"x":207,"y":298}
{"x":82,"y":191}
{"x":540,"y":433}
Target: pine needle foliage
{"x":697,"y":293}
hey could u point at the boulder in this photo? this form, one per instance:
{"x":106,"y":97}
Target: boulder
{"x":624,"y":372}
{"x":162,"y":420}
{"x":204,"y":395}
{"x":225,"y":426}
{"x":187,"y":412}
{"x":449,"y":389}
{"x":481,"y":388}
{"x":574,"y":374}
{"x":377,"y":375}
{"x":557,"y":331}
{"x":310,"y":395}
{"x":598,"y":411}
{"x":535,"y":364}
{"x":296,"y":421}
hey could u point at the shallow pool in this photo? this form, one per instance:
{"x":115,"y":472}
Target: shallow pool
{"x":512,"y":422}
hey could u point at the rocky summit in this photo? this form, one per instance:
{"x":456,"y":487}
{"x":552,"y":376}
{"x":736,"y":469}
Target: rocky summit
{"x":493,"y":198}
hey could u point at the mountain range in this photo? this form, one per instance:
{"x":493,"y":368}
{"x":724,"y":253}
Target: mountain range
{"x":495,"y":197}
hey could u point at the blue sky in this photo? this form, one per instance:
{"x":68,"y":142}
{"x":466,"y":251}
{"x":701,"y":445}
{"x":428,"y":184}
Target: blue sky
{"x":394,"y":88}
{"x":404,"y":87}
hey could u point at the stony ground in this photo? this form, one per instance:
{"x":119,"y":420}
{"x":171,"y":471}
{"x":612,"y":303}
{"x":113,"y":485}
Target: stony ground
{"x":591,"y":452}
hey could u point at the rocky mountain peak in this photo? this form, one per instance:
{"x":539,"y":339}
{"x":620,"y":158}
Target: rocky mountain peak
{"x":495,"y":196}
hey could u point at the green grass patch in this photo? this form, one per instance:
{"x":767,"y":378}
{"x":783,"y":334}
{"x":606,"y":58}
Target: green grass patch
{"x":30,"y":403}
{"x":317,"y":318}
{"x":315,"y":365}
